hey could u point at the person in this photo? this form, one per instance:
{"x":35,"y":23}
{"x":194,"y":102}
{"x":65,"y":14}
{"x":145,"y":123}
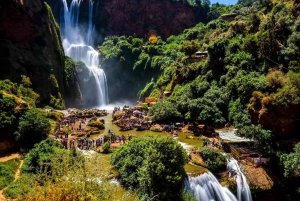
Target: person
{"x":205,"y":142}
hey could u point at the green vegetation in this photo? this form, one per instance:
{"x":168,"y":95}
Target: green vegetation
{"x":291,"y":162}
{"x":97,"y":124}
{"x":153,"y":165}
{"x":7,"y":172}
{"x":33,"y":127}
{"x":213,"y":159}
{"x":51,"y":172}
{"x":251,"y":73}
{"x":106,"y":147}
{"x":41,"y":155}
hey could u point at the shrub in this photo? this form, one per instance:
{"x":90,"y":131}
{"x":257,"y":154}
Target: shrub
{"x":41,"y":155}
{"x":276,"y":79}
{"x":154,"y":165}
{"x":56,"y":116}
{"x":97,"y":124}
{"x":189,"y":47}
{"x":213,"y":159}
{"x":20,"y":187}
{"x":291,"y":162}
{"x":106,"y":147}
{"x":33,"y":127}
{"x":6,"y":176}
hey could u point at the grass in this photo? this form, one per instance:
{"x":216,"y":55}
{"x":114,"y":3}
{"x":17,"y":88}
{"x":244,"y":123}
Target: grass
{"x":20,"y":187}
{"x":7,"y":172}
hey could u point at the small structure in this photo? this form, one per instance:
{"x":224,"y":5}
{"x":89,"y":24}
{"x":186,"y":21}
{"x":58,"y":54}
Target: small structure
{"x":249,"y":155}
{"x":167,"y":93}
{"x":201,"y":54}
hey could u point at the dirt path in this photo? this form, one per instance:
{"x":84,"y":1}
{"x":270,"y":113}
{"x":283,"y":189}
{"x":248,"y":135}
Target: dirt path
{"x":17,"y":174}
{"x":9,"y":157}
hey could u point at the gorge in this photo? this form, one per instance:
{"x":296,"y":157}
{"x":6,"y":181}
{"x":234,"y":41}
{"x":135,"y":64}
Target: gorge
{"x":218,"y":78}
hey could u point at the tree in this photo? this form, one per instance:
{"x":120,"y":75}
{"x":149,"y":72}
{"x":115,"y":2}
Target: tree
{"x":189,"y":47}
{"x":215,"y":161}
{"x":262,"y":138}
{"x":164,"y":111}
{"x":7,"y":111}
{"x":33,"y":127}
{"x":154,"y":165}
{"x":291,"y":162}
{"x":42,"y":153}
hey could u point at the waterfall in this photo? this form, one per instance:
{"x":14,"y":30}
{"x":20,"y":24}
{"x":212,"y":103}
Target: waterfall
{"x":78,"y":47}
{"x":207,"y":188}
{"x":91,"y":29}
{"x":243,"y":190}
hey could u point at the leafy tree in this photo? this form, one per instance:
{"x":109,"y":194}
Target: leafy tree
{"x":7,"y":110}
{"x":154,"y":165}
{"x":33,"y":127}
{"x":214,"y":160}
{"x":189,"y":47}
{"x":106,"y":147}
{"x":164,"y":111}
{"x":41,"y":155}
{"x":205,"y":111}
{"x":26,"y":92}
{"x":238,"y":114}
{"x":262,"y":138}
{"x":291,"y":162}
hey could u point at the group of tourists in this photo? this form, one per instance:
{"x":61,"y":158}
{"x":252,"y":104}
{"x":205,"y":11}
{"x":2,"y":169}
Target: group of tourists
{"x":213,"y":143}
{"x":130,"y":118}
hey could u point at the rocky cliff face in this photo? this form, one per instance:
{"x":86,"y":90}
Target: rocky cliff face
{"x":139,"y":16}
{"x":283,"y":120}
{"x":30,"y":45}
{"x":296,"y":8}
{"x":123,"y":17}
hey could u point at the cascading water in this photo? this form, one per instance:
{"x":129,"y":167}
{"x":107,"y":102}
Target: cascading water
{"x":207,"y":188}
{"x":243,"y":190}
{"x":78,"y":47}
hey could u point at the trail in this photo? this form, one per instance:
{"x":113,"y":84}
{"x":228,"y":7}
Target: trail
{"x":17,"y":174}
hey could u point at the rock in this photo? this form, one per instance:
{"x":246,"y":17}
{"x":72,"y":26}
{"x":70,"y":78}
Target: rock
{"x":296,"y":8}
{"x":156,"y":128}
{"x":283,"y":120}
{"x":31,"y":45}
{"x":258,"y":177}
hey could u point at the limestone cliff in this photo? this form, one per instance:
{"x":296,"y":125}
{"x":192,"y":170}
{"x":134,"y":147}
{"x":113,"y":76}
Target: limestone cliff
{"x":283,"y":120}
{"x":139,"y":16}
{"x":31,"y":45}
{"x":123,"y":17}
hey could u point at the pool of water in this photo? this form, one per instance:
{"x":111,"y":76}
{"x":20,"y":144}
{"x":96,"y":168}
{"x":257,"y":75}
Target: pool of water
{"x":187,"y":140}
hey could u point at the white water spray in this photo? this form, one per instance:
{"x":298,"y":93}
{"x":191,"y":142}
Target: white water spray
{"x":243,"y":190}
{"x":207,"y":188}
{"x":78,"y":47}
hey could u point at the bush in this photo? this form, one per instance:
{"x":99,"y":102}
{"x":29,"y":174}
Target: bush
{"x":164,"y":111}
{"x":20,"y":187}
{"x":56,"y":116}
{"x":6,"y":176}
{"x":42,"y":155}
{"x":153,"y":165}
{"x":106,"y":147}
{"x":97,"y":124}
{"x":213,"y":159}
{"x":33,"y":127}
{"x":7,"y":108}
{"x":291,"y":162}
